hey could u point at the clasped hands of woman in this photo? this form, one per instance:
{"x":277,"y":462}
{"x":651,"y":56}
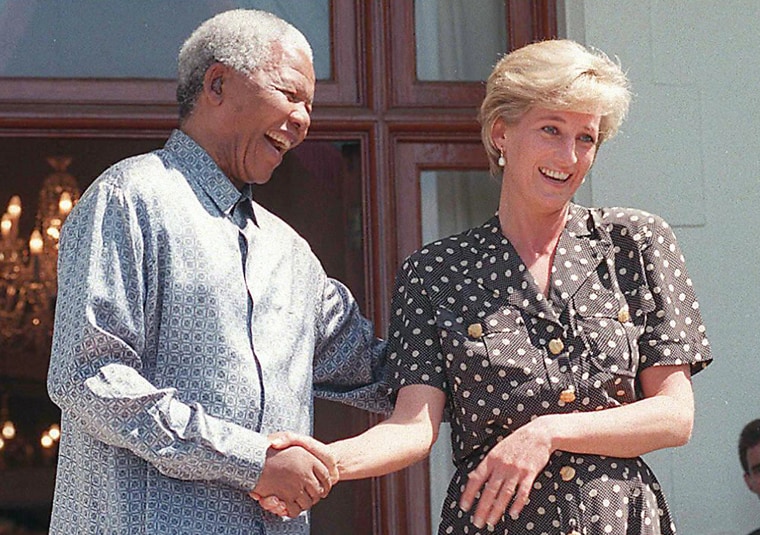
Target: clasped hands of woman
{"x":313,"y":485}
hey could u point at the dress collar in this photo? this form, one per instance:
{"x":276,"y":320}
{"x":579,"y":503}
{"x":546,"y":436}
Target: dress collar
{"x":584,"y":241}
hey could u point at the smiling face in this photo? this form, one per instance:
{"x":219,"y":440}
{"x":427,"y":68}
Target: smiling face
{"x":548,"y":154}
{"x":753,"y":461}
{"x":264,"y":114}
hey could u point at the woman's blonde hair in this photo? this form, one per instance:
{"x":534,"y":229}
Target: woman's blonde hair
{"x":557,"y":74}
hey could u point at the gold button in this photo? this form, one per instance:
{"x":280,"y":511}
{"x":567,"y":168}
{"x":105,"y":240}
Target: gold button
{"x":567,"y":395}
{"x":475,"y":330}
{"x":624,"y":316}
{"x":556,"y":346}
{"x":567,"y":473}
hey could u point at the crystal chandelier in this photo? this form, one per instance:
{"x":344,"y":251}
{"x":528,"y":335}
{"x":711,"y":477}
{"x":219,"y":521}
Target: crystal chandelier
{"x":28,"y":287}
{"x":28,"y":283}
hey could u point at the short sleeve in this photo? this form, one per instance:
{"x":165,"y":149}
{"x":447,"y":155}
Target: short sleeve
{"x":414,"y":351}
{"x":674,"y":333}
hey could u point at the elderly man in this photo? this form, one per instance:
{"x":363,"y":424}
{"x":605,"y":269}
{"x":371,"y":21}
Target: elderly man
{"x":192,"y":323}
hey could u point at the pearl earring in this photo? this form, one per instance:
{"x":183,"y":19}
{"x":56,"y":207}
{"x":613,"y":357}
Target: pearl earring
{"x":501,"y":161}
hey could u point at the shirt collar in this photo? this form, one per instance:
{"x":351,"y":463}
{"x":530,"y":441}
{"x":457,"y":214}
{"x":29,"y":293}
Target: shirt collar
{"x":202,"y":172}
{"x":579,"y":223}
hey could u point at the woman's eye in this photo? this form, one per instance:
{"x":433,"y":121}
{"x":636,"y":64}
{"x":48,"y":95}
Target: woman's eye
{"x":550,"y":129}
{"x":586,"y":138}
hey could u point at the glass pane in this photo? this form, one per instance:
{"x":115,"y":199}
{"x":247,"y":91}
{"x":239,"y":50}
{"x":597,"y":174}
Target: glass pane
{"x":458,"y":41}
{"x":118,"y":39}
{"x":452,"y":201}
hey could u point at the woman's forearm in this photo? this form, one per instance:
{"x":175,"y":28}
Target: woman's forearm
{"x":405,"y":438}
{"x":663,"y":419}
{"x":381,"y":450}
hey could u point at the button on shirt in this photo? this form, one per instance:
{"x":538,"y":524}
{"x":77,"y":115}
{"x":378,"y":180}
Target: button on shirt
{"x":182,"y":339}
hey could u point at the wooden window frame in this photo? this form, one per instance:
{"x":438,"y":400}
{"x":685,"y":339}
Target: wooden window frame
{"x":128,"y":104}
{"x":526,"y":21}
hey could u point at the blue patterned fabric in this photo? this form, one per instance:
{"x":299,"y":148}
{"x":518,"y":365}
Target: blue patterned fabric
{"x":181,"y":340}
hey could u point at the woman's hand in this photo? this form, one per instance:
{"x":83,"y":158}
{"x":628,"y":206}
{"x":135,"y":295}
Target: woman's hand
{"x":507,"y":474}
{"x":271,"y":503}
{"x":322,"y":451}
{"x":663,"y":419}
{"x":403,"y":439}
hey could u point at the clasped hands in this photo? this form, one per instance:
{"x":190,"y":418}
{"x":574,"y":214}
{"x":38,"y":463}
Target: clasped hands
{"x":298,"y":472}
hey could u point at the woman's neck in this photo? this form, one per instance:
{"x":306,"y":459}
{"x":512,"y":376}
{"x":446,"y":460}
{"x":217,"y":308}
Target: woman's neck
{"x":537,"y":233}
{"x":534,"y":236}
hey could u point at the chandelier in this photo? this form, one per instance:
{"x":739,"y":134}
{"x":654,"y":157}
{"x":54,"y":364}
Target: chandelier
{"x":28,"y":287}
{"x":28,"y":282}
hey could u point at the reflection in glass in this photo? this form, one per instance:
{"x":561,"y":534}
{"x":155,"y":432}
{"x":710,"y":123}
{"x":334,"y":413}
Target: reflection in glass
{"x":452,"y":201}
{"x":458,"y":41}
{"x":117,"y":39}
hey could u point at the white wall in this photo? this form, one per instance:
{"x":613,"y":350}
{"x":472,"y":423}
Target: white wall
{"x":690,"y":152}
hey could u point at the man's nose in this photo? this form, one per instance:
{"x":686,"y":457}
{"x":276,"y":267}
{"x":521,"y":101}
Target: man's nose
{"x":301,"y":117}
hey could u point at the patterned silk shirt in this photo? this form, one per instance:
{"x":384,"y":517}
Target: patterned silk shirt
{"x":190,"y":324}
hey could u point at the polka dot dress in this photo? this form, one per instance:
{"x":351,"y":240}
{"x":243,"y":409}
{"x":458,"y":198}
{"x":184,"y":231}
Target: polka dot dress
{"x":468,"y":318}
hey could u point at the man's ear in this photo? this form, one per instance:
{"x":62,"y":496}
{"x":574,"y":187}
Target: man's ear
{"x":216,"y":85}
{"x":213,"y":82}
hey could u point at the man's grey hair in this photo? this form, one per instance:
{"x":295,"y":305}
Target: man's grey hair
{"x":242,"y":39}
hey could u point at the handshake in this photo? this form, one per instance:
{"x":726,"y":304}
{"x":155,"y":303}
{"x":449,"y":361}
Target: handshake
{"x":298,"y":472}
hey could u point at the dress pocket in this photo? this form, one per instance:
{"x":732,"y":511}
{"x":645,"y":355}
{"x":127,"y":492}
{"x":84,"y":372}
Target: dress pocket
{"x":610,"y":325}
{"x":499,"y":341}
{"x":496,"y":374}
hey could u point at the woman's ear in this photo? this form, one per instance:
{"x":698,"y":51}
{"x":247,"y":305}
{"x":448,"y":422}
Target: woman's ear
{"x":499,"y":133}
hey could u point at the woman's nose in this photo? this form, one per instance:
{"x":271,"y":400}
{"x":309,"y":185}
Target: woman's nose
{"x":568,"y":151}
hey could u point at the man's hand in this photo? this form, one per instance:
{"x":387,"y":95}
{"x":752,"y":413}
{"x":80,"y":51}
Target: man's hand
{"x":298,"y":472}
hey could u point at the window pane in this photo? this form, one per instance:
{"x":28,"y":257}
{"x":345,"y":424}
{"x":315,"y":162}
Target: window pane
{"x":458,"y":41}
{"x":118,"y":39}
{"x":452,"y":201}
